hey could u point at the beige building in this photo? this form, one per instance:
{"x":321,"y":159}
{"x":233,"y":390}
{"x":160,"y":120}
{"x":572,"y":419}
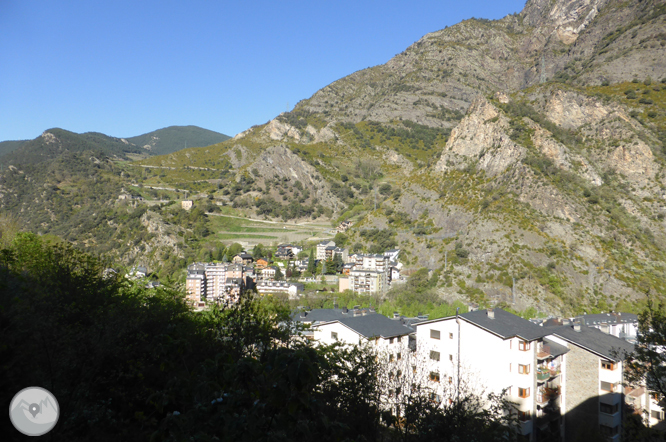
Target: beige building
{"x":368,"y":281}
{"x":219,"y":283}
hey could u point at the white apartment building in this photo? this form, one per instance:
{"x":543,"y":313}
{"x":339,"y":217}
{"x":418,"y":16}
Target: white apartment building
{"x":321,"y":249}
{"x":385,"y":335}
{"x":560,"y":378}
{"x":368,"y":281}
{"x":290,"y":288}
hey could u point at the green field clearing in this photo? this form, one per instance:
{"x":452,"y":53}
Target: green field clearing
{"x":223,"y":236}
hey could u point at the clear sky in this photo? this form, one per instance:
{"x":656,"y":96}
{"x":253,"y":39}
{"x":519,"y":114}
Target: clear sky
{"x":125,"y":68}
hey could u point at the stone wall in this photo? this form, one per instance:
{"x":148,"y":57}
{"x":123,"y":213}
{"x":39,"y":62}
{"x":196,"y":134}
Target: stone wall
{"x":582,"y":392}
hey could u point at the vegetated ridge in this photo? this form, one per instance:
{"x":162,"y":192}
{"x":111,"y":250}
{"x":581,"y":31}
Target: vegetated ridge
{"x":173,"y":138}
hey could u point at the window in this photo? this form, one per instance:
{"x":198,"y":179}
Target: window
{"x":450,"y":335}
{"x":523,"y":369}
{"x":450,"y":380}
{"x":390,"y":340}
{"x":609,"y":431}
{"x":523,"y":392}
{"x":334,"y":336}
{"x":398,"y":356}
{"x":399,"y":338}
{"x":607,"y":365}
{"x":607,"y":386}
{"x":656,"y":414}
{"x":391,"y":358}
{"x":434,"y":355}
{"x":434,"y":334}
{"x":523,"y":345}
{"x":609,"y":409}
{"x":434,"y":376}
{"x":524,"y":416}
{"x":451,"y":358}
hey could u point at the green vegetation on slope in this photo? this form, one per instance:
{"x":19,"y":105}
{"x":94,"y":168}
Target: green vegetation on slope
{"x":173,"y":138}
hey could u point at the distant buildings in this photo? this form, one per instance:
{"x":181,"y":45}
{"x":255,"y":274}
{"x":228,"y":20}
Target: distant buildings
{"x":219,"y":283}
{"x":287,"y":251}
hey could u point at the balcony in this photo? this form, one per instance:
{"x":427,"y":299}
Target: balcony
{"x":543,"y":352}
{"x":544,"y":373}
{"x":547,"y":394}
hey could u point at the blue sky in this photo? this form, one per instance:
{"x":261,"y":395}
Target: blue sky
{"x":125,"y":68}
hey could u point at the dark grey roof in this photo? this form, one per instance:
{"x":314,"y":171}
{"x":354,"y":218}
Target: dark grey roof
{"x":594,"y":340}
{"x":609,"y":318}
{"x":555,"y":348}
{"x":324,"y":315}
{"x":505,"y":324}
{"x":374,"y":325}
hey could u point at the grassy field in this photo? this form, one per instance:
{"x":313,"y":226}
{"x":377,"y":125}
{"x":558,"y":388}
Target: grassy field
{"x":250,"y":231}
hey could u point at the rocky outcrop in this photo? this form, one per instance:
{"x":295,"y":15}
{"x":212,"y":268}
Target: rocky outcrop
{"x":238,"y":156}
{"x":278,"y":130}
{"x":279,"y":161}
{"x":564,"y":19}
{"x":481,"y":139}
{"x":606,"y":124}
{"x":561,"y":156}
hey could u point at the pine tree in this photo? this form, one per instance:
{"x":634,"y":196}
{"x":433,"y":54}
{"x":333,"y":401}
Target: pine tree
{"x":312,"y":265}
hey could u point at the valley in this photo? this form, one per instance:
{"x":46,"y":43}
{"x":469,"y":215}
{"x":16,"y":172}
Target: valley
{"x":522,"y":159}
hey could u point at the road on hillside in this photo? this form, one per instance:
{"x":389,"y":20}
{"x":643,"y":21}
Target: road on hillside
{"x":309,"y":226}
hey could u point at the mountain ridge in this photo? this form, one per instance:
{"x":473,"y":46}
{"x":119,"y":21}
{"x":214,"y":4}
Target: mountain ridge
{"x":529,"y":148}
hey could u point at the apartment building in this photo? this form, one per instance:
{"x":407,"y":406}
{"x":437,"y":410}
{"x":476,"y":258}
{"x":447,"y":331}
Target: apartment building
{"x":368,"y":281}
{"x":195,"y":284}
{"x":360,"y":326}
{"x":560,"y":378}
{"x":592,"y":380}
{"x":219,"y":283}
{"x":290,"y":288}
{"x":321,"y":249}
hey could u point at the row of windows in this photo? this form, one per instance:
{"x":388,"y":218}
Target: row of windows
{"x":522,"y":345}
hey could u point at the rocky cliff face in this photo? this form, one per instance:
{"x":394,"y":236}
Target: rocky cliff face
{"x":481,"y":139}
